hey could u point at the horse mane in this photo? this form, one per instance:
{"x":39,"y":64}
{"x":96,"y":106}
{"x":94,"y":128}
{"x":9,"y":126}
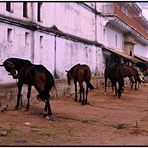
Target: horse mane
{"x":72,"y":69}
{"x":19,"y":63}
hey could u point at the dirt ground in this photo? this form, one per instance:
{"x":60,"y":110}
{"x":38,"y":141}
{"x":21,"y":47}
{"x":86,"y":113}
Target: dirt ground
{"x":107,"y":120}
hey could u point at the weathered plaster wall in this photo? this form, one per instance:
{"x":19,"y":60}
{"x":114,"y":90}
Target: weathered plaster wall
{"x":69,"y":53}
{"x":16,"y":12}
{"x":113,"y":38}
{"x":44,"y":52}
{"x":141,"y":50}
{"x":16,"y":47}
{"x":75,"y":19}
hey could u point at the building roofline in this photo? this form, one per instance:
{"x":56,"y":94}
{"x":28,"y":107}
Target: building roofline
{"x":52,"y":30}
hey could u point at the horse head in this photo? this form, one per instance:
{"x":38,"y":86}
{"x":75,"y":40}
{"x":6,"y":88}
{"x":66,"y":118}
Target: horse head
{"x":69,"y":77}
{"x":141,"y":76}
{"x":10,"y":67}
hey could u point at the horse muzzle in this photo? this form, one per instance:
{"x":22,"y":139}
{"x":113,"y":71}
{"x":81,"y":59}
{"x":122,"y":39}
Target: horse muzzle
{"x":14,"y":74}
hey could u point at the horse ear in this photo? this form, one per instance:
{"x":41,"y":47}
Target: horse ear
{"x":66,"y":70}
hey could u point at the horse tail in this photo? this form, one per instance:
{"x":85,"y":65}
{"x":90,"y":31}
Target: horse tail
{"x":90,"y":85}
{"x":86,"y":78}
{"x":49,"y":83}
{"x":55,"y":89}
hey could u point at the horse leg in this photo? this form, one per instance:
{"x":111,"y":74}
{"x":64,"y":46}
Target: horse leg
{"x":113,"y":86}
{"x":135,"y":84}
{"x":45,"y":109}
{"x":132,"y":81}
{"x":28,"y":96}
{"x":114,"y":90}
{"x":105,"y":85}
{"x":75,"y":91}
{"x":119,"y":90}
{"x":19,"y":94}
{"x":83,"y":102}
{"x":82,"y":91}
{"x":47,"y":105}
{"x":21,"y":102}
{"x":80,"y":94}
{"x":116,"y":93}
{"x":86,"y":94}
{"x":43,"y":97}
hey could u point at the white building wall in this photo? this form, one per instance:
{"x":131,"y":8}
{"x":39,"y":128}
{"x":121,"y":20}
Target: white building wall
{"x":74,"y":19}
{"x":141,"y":50}
{"x":44,"y":50}
{"x":49,"y":19}
{"x":101,"y":23}
{"x":70,"y":53}
{"x":113,"y":38}
{"x":71,"y":18}
{"x":14,"y":48}
{"x":17,"y":10}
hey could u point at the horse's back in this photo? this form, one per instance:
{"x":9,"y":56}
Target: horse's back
{"x":128,"y":71}
{"x":38,"y":76}
{"x":82,"y":72}
{"x":44,"y":75}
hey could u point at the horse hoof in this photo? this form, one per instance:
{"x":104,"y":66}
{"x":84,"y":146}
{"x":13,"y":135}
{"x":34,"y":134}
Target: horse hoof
{"x":49,"y":117}
{"x":17,"y":107}
{"x":27,"y":109}
{"x":83,"y":103}
{"x":86,"y":103}
{"x":45,"y":113}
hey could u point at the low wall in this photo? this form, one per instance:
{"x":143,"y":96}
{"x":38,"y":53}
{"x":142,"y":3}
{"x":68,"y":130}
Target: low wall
{"x":65,"y":90}
{"x":8,"y":92}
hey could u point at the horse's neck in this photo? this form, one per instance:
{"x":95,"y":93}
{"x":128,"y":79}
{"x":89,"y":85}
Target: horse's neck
{"x":72,"y":69}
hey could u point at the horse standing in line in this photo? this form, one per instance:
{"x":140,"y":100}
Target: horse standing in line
{"x":113,"y":72}
{"x":131,"y":73}
{"x":80,"y":73}
{"x":32,"y":75}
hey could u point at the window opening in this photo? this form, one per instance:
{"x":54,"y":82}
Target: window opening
{"x":8,"y":6}
{"x":39,"y":11}
{"x":26,"y":38}
{"x":41,"y":41}
{"x":9,"y":35}
{"x":25,"y":9}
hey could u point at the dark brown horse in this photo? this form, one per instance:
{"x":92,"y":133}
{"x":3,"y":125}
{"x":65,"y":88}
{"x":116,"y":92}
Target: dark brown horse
{"x":32,"y":75}
{"x":113,"y":73}
{"x":80,"y":73}
{"x":131,"y":73}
